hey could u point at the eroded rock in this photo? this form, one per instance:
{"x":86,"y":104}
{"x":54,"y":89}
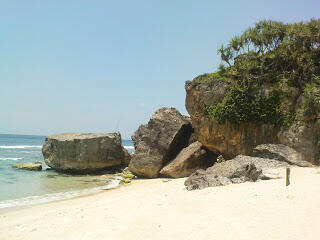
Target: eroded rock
{"x":159,"y":141}
{"x":227,"y":139}
{"x":301,"y":133}
{"x":238,"y":170}
{"x":80,"y":152}
{"x":280,"y":152}
{"x":190,"y":159}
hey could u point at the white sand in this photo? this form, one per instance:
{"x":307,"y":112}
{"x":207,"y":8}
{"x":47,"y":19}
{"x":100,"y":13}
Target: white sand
{"x":153,"y":209}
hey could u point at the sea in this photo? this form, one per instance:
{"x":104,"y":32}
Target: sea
{"x":20,"y":187}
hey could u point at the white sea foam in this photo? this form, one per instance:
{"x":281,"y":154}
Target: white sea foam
{"x":19,"y":147}
{"x":12,"y":159}
{"x":55,"y":196}
{"x":129,"y":147}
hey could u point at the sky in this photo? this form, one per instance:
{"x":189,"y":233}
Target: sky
{"x":105,"y":66}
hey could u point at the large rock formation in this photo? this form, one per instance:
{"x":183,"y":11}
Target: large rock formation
{"x":159,"y":141}
{"x":229,"y":139}
{"x":190,"y":159}
{"x":80,"y":152}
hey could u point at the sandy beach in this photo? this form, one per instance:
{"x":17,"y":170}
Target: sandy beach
{"x":156,"y":209}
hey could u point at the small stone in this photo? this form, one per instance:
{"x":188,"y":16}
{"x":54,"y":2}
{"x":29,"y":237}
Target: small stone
{"x":238,"y":180}
{"x":220,"y":159}
{"x":31,"y":166}
{"x":166,"y":180}
{"x":125,"y":181}
{"x":223,"y":180}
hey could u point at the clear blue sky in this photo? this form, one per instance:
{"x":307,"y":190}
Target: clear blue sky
{"x":101,"y":66}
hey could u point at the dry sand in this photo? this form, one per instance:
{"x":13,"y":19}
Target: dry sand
{"x":153,"y":209}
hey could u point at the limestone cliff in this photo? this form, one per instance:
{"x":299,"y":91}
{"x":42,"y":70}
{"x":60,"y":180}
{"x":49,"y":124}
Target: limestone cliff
{"x":231,"y":139}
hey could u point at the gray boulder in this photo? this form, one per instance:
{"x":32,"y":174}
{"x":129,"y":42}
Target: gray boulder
{"x":159,"y":141}
{"x":200,"y":180}
{"x":31,"y":166}
{"x":189,"y":160}
{"x":280,"y":152}
{"x":84,"y":152}
{"x":238,"y":170}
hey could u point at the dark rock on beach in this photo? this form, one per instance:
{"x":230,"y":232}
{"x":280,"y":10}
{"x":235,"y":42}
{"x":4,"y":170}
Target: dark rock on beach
{"x":84,"y":152}
{"x":238,"y":170}
{"x":159,"y":141}
{"x":190,"y":159}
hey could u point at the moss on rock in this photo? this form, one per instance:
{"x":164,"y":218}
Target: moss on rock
{"x":31,"y":166}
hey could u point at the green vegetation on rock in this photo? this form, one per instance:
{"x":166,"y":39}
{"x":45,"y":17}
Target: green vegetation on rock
{"x":256,"y":63}
{"x":310,"y":93}
{"x":239,"y":106}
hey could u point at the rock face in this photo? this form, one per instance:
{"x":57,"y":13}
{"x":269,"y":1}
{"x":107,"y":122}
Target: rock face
{"x":226,"y":139}
{"x":31,"y":166}
{"x":238,"y":170}
{"x":159,"y":141}
{"x":230,"y":140}
{"x":280,"y":152}
{"x":190,"y":159}
{"x":79,"y":152}
{"x":303,"y":136}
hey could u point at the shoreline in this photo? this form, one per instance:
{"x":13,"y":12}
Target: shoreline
{"x":63,"y":197}
{"x":155,"y":209}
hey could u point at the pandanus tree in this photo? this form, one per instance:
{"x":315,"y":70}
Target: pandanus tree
{"x":272,"y":50}
{"x":269,"y":52}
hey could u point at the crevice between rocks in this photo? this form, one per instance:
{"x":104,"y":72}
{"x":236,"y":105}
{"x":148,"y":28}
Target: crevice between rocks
{"x":180,"y":141}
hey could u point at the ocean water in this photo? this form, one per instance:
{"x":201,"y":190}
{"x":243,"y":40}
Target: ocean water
{"x":20,"y":187}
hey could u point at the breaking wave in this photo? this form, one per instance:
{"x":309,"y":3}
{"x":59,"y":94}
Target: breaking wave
{"x":19,"y":147}
{"x":12,"y":159}
{"x":32,"y":200}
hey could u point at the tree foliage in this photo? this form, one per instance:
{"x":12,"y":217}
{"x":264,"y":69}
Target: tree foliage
{"x":270,"y":52}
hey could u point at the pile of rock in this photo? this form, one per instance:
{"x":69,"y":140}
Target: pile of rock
{"x":162,"y":147}
{"x":247,"y":168}
{"x":166,"y":146}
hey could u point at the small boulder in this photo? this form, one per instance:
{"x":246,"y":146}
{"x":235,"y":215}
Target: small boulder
{"x":200,"y":180}
{"x":159,"y":141}
{"x":280,"y":152}
{"x":31,"y":166}
{"x":189,"y":160}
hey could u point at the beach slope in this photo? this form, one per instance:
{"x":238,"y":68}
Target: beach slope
{"x":154,"y":209}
